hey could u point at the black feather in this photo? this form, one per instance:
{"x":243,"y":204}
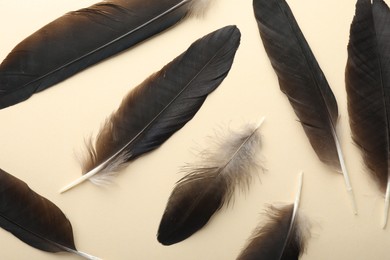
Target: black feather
{"x":34,"y":219}
{"x":281,"y":238}
{"x":81,"y":38}
{"x":302,"y":80}
{"x":367,"y":78}
{"x":368,"y":89}
{"x":209,"y":184}
{"x":163,"y":103}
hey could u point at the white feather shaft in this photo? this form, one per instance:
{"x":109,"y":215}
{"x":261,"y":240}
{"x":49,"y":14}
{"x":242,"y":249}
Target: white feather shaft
{"x":295,"y":211}
{"x":345,"y":173}
{"x":387,"y":203}
{"x":298,"y":195}
{"x":246,"y":140}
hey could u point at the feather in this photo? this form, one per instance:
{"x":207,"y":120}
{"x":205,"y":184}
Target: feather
{"x":162,"y":104}
{"x":284,"y":237}
{"x":210,"y":184}
{"x":82,"y":38}
{"x":34,"y":219}
{"x":302,"y":80}
{"x":367,"y":78}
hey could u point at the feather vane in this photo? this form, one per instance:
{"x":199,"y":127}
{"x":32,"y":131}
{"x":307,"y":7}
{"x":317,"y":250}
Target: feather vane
{"x":82,"y":38}
{"x":209,"y":184}
{"x":303,"y":82}
{"x":162,"y":104}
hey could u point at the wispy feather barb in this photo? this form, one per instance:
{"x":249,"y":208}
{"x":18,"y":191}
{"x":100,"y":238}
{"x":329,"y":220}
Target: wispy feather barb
{"x":209,"y":184}
{"x":162,"y":104}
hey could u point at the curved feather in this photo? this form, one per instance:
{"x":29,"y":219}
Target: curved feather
{"x":367,"y":78}
{"x":163,"y":103}
{"x":210,"y":184}
{"x":283,"y":237}
{"x":34,"y":219}
{"x":302,"y":80}
{"x":81,"y":38}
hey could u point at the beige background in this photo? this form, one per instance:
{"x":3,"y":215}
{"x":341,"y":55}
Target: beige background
{"x":40,"y":137}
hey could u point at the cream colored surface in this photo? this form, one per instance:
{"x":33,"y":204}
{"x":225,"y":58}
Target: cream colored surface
{"x":40,"y":137}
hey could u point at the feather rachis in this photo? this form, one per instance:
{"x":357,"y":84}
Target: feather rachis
{"x":209,"y":184}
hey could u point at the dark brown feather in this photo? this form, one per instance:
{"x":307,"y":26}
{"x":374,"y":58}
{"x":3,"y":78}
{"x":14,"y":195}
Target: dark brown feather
{"x":162,"y":104}
{"x":210,"y":184}
{"x":300,"y":76}
{"x":34,"y":219}
{"x":367,"y":79}
{"x":279,"y":238}
{"x":302,"y":80}
{"x":81,"y":38}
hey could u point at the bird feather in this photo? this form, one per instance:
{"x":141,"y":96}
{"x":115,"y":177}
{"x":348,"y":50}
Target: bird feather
{"x":209,"y":184}
{"x":34,"y":219}
{"x":82,"y":38}
{"x":283,"y":237}
{"x":162,"y":104}
{"x":367,"y":78}
{"x":302,"y":80}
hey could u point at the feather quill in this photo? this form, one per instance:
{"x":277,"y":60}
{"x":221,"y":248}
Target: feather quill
{"x":210,"y":184}
{"x":162,"y":104}
{"x":82,"y":38}
{"x":367,"y":78}
{"x":284,"y":237}
{"x":34,"y":219}
{"x":302,"y":80}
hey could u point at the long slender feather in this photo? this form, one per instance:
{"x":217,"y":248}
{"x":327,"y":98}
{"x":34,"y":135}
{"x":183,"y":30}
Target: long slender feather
{"x":367,"y":78}
{"x":162,"y":104}
{"x":284,"y":237}
{"x":81,"y":38}
{"x":34,"y":219}
{"x":302,"y":80}
{"x":210,"y":184}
